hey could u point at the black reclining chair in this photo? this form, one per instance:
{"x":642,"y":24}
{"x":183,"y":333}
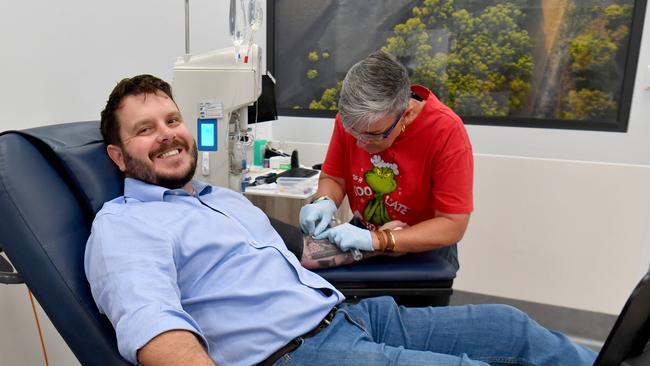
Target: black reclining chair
{"x":52,"y":182}
{"x":627,"y":343}
{"x":45,"y":224}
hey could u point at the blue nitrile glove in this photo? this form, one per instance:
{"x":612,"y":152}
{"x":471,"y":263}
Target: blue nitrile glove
{"x":347,"y":237}
{"x":316,"y":217}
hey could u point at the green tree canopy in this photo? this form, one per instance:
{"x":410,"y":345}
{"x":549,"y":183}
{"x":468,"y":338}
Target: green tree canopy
{"x":475,"y":55}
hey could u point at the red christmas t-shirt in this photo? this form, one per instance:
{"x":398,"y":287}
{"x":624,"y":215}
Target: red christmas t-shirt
{"x":428,"y":168}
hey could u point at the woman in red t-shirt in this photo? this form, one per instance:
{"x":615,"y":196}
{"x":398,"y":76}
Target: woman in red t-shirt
{"x":403,"y":159}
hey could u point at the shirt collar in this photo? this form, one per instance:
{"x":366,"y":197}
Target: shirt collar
{"x":421,"y":91}
{"x":146,"y":192}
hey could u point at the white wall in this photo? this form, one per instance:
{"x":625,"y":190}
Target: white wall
{"x":60,"y":59}
{"x":19,"y":341}
{"x":560,"y":232}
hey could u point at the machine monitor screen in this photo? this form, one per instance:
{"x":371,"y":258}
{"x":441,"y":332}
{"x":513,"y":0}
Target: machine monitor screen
{"x":207,"y":134}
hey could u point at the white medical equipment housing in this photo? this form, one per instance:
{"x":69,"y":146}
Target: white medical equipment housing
{"x":213,"y":91}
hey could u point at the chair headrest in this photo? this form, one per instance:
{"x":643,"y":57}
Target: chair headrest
{"x":80,"y":150}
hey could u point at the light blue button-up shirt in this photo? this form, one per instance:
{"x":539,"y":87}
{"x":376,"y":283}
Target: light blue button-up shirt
{"x":160,"y":259}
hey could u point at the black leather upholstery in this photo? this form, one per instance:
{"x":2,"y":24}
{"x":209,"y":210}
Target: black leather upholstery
{"x":627,"y":343}
{"x":80,"y":149}
{"x":45,"y":227}
{"x":422,"y":274}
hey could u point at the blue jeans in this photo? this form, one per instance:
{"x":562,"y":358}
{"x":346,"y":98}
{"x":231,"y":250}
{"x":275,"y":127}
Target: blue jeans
{"x":377,"y":331}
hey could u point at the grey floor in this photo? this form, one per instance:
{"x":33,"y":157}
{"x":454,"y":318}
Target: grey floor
{"x":584,"y":327}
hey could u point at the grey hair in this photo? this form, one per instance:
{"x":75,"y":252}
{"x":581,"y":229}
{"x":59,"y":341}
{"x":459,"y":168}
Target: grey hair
{"x":373,"y":88}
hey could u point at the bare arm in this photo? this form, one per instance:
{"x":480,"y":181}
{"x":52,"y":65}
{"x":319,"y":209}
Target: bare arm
{"x":332,"y":187}
{"x":174,"y":348}
{"x":443,"y":230}
{"x":319,"y":254}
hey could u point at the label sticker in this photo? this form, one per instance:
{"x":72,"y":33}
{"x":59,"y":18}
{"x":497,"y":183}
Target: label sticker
{"x":210,"y":109}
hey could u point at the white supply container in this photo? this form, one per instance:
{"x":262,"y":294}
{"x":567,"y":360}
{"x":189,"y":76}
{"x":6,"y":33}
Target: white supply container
{"x":296,"y":185}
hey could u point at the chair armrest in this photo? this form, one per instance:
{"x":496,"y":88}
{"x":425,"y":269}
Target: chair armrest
{"x":641,"y":360}
{"x":412,"y":267}
{"x":8,"y":275}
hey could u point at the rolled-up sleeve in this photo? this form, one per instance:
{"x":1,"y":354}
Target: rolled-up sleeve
{"x":132,"y":275}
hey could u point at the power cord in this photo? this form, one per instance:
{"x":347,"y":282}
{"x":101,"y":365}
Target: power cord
{"x":38,"y":326}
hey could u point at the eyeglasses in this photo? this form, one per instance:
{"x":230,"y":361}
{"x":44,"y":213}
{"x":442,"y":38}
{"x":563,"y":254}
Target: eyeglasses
{"x":376,"y":136}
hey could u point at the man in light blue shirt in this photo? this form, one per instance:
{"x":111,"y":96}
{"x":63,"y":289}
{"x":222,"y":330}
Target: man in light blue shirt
{"x":171,"y":243}
{"x":191,"y":274}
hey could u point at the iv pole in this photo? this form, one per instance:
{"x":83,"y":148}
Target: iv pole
{"x":187,"y":30}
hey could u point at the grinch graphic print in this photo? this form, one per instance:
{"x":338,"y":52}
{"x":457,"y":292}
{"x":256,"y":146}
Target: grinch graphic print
{"x":375,"y":189}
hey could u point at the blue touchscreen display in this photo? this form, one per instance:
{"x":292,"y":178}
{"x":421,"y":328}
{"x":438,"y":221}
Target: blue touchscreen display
{"x":207,"y":134}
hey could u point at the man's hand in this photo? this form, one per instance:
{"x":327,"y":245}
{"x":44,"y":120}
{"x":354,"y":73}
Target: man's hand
{"x":316,"y":217}
{"x":347,"y":237}
{"x":174,"y":347}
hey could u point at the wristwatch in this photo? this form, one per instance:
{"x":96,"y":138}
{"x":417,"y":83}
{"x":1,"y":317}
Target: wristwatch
{"x":321,"y":198}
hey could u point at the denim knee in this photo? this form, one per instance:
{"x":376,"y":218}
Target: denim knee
{"x":511,"y":320}
{"x":508,"y":312}
{"x":377,"y":305}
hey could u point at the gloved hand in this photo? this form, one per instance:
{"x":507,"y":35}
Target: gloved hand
{"x":316,"y":217}
{"x":347,"y":237}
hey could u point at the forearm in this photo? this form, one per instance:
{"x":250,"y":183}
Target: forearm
{"x":332,"y":187}
{"x":431,"y":234}
{"x":174,"y":348}
{"x":319,"y":254}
